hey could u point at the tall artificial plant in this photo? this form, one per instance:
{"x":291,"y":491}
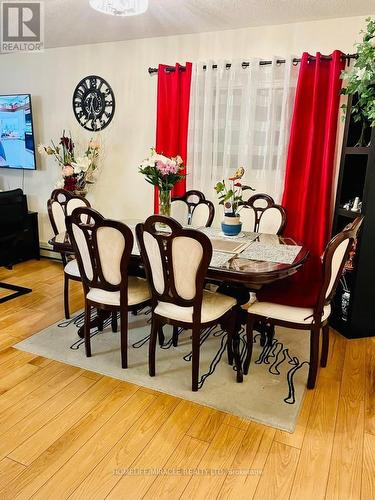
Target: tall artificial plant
{"x":360,"y":79}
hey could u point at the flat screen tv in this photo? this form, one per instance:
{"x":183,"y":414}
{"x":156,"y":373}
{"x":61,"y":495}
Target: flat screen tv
{"x":17,"y":148}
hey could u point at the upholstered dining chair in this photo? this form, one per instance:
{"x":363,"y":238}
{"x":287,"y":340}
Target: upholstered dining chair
{"x":61,"y":204}
{"x":176,"y":263}
{"x":313,"y":319}
{"x":262,"y":215}
{"x":103,"y":248}
{"x":193,"y":209}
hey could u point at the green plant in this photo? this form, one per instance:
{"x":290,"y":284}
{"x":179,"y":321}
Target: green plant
{"x":232,"y":197}
{"x":360,"y":79}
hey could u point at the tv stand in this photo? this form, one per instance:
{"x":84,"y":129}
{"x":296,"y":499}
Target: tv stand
{"x":30,"y":247}
{"x":26,"y":245}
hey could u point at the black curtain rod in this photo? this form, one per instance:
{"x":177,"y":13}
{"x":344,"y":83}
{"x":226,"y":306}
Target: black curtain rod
{"x":170,"y":69}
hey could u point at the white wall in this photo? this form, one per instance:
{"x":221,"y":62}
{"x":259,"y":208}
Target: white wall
{"x":52,"y":76}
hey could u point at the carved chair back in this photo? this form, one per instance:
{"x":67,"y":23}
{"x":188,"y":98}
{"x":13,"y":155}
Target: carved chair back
{"x":61,"y":204}
{"x":193,"y":209}
{"x":103,"y":248}
{"x":334,"y":259}
{"x":264,"y":214}
{"x":176,"y":262}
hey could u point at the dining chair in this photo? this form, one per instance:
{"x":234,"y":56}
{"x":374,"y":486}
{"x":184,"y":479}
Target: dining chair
{"x":103,"y":248}
{"x":315,"y":318}
{"x":193,"y":209}
{"x":262,"y":215}
{"x":61,"y":204}
{"x":176,"y":260}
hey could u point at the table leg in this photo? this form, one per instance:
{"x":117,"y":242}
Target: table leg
{"x":239,"y":317}
{"x":97,"y":322}
{"x":233,"y":326}
{"x":236,"y":341}
{"x":267,"y":333}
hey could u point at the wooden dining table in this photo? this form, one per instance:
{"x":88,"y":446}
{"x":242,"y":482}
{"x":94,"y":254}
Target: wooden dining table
{"x":239,"y":270}
{"x":237,"y":277}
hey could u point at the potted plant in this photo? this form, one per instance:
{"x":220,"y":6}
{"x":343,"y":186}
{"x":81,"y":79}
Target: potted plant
{"x":360,"y":81}
{"x":232,"y":200}
{"x":163,"y":172}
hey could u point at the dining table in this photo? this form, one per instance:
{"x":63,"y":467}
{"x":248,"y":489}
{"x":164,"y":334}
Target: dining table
{"x":239,"y":265}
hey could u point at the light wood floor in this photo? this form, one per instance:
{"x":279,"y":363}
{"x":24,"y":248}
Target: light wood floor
{"x":67,"y":432}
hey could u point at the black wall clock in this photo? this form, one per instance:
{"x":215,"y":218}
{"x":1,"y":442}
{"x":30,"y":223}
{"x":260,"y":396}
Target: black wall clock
{"x":93,"y":103}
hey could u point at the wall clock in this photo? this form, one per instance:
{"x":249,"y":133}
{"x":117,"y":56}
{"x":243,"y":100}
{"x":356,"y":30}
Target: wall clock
{"x":93,"y":103}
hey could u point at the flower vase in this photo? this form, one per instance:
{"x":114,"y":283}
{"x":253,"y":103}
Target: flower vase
{"x":165,"y":202}
{"x":345,"y":300}
{"x":81,"y":192}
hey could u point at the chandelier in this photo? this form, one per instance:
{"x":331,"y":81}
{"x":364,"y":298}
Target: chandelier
{"x":120,"y":7}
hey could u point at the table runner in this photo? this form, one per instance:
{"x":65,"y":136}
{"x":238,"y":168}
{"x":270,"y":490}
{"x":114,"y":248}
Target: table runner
{"x":281,"y":254}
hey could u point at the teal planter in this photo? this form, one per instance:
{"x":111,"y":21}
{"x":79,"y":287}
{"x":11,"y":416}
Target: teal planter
{"x":231,"y":226}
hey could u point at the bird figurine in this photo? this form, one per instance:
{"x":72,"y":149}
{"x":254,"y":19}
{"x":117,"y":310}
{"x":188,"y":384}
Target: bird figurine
{"x":238,"y":174}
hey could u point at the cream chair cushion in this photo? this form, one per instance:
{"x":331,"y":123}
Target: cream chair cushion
{"x":111,"y":246}
{"x":58,"y":216}
{"x":180,"y":212}
{"x":72,"y":268}
{"x":214,"y":306}
{"x":286,"y":313}
{"x":187,"y":255}
{"x":270,"y":221}
{"x":200,"y":215}
{"x":138,"y":292}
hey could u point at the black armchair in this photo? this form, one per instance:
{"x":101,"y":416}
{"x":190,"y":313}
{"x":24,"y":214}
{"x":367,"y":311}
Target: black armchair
{"x":13,"y":212}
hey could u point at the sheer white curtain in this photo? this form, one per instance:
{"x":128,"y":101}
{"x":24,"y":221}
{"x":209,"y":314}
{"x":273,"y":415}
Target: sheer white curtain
{"x":240,"y":117}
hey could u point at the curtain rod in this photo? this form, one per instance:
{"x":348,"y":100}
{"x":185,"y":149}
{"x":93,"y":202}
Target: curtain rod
{"x":170,"y":69}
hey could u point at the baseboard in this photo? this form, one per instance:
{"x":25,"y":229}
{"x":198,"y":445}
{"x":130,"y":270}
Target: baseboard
{"x":47,"y":252}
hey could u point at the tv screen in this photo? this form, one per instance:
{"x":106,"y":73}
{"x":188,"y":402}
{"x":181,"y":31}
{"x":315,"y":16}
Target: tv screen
{"x":17,"y":149}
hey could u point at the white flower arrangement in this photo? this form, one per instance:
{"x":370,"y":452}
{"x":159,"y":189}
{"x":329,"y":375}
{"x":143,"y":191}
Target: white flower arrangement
{"x":76,"y":172}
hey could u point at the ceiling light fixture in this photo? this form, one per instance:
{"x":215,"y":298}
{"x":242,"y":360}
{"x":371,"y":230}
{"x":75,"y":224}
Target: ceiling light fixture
{"x":120,"y":7}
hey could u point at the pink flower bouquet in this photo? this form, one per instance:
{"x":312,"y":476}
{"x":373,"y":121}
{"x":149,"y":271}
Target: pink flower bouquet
{"x":162,"y":171}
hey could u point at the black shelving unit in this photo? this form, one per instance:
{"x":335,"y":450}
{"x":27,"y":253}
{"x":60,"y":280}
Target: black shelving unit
{"x":356,"y":178}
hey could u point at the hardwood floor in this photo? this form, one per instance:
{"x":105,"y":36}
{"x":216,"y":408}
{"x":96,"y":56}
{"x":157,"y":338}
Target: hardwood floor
{"x":69,"y":433}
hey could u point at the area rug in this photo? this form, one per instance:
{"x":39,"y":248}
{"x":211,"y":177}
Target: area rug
{"x":271,"y":393}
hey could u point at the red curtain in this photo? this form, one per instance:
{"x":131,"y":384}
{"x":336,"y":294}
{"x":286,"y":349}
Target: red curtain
{"x":310,"y":173}
{"x":310,"y":165}
{"x":173,"y":117}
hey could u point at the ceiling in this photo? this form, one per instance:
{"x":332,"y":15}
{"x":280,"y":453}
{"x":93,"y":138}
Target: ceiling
{"x":73,"y":22}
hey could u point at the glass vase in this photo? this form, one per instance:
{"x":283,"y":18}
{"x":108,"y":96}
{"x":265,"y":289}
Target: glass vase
{"x":81,"y":192}
{"x":165,"y":202}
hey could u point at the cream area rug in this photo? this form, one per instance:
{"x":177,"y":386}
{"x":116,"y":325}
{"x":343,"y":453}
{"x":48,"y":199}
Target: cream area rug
{"x":271,"y":393}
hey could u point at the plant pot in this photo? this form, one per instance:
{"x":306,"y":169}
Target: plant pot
{"x":81,"y":192}
{"x":231,"y":226}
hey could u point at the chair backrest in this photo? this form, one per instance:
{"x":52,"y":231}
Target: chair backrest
{"x":263,"y":215}
{"x":176,"y":261}
{"x":102,"y":248}
{"x":61,"y":204}
{"x":193,"y":209}
{"x":334,"y":259}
